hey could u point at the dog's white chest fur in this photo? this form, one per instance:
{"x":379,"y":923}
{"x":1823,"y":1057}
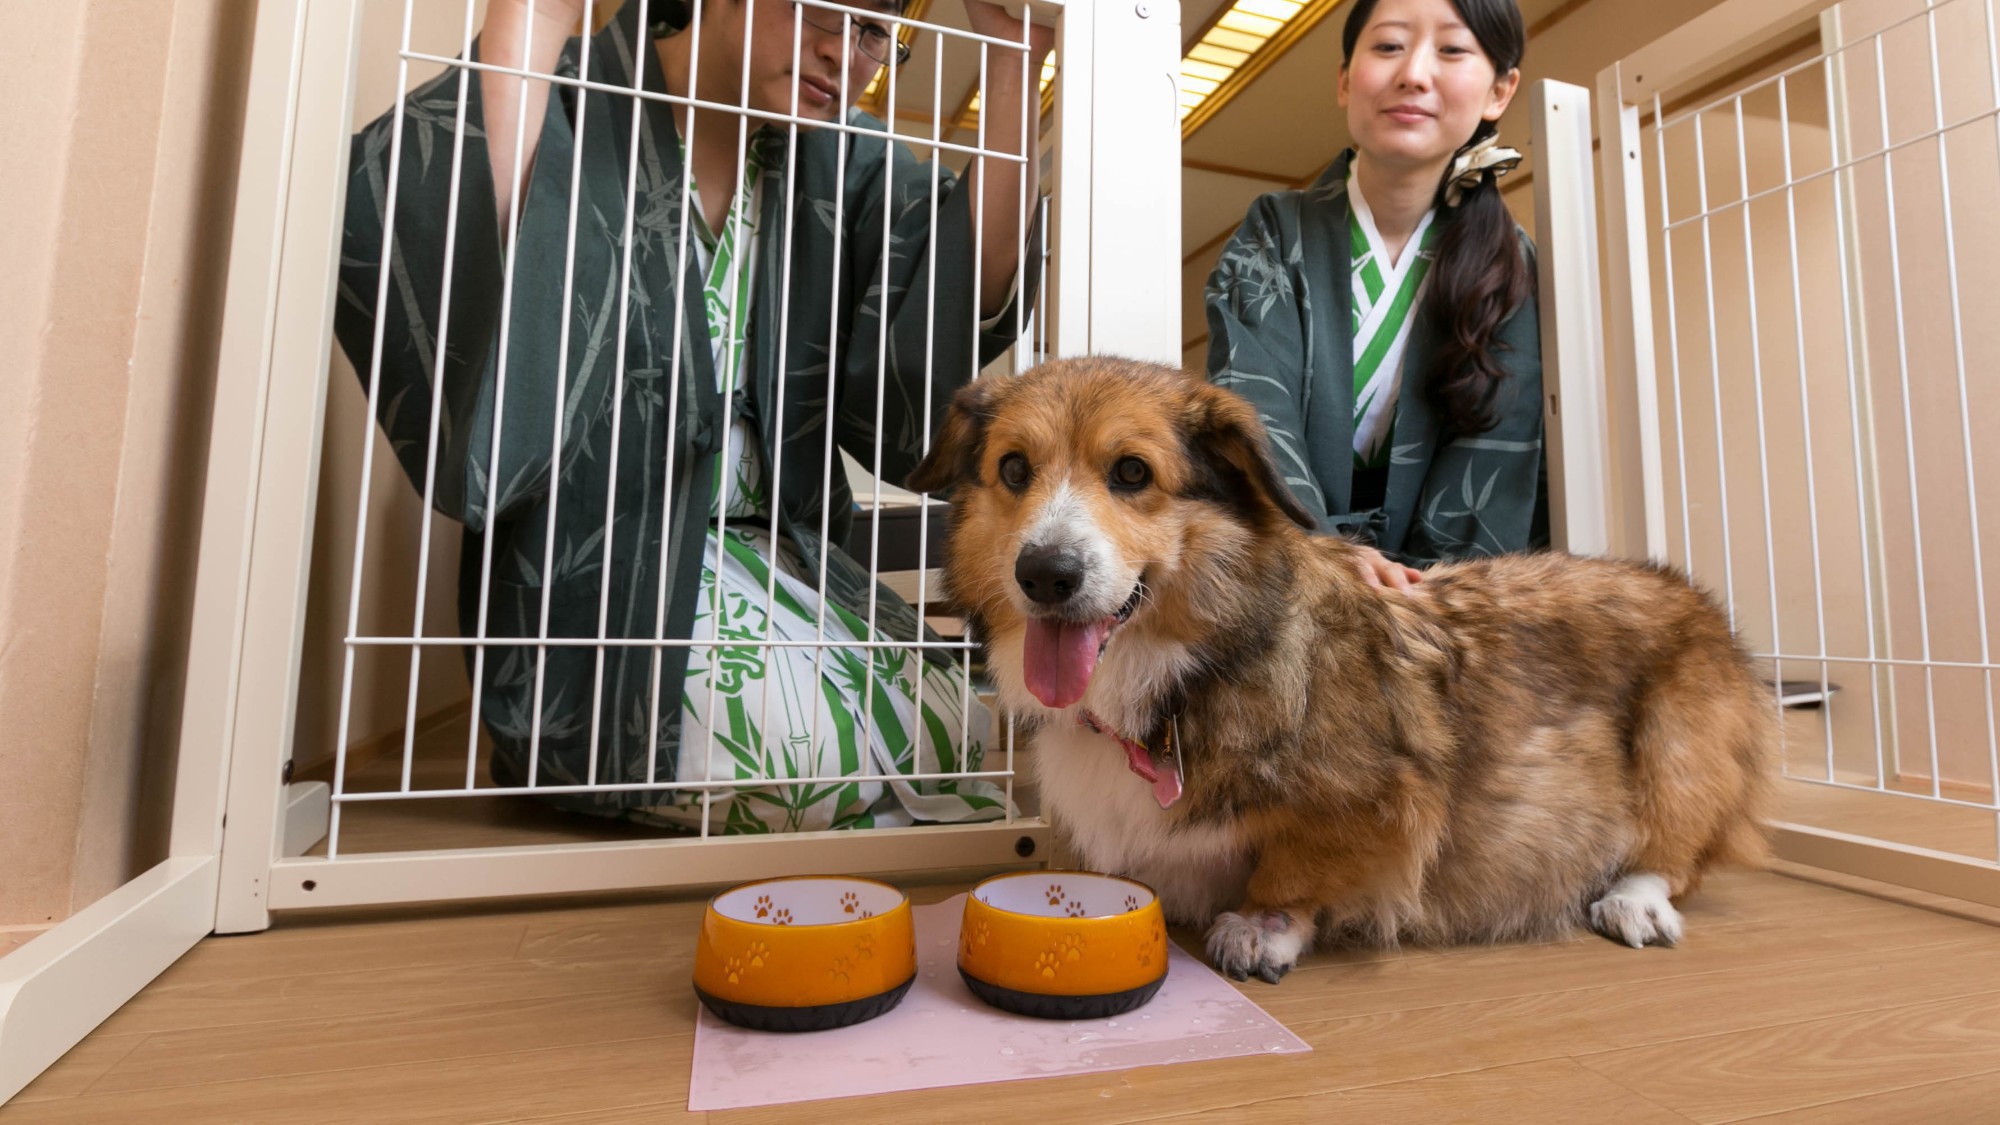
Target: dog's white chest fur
{"x":1117,"y":826}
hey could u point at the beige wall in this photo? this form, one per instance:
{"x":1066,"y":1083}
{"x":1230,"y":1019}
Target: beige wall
{"x":117,"y":202}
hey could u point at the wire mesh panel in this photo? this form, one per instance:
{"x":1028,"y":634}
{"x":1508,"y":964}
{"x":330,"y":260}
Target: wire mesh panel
{"x":650,"y":320}
{"x":636,"y":376}
{"x":1820,"y":239}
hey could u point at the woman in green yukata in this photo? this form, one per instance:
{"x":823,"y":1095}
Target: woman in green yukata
{"x":1383,"y":320}
{"x":641,"y":446}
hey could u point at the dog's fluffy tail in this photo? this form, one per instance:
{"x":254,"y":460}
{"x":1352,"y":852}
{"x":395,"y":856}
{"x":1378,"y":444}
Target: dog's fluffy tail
{"x":1704,"y":747}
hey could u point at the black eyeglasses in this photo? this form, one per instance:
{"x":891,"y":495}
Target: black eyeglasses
{"x":872,"y":39}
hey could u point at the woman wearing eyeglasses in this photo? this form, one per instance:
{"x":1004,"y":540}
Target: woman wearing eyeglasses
{"x":667,"y":407}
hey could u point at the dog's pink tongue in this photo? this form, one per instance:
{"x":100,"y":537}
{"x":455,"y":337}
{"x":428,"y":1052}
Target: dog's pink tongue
{"x":1058,"y":658}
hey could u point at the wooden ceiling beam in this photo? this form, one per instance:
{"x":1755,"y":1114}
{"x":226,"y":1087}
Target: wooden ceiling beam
{"x":1234,"y":170}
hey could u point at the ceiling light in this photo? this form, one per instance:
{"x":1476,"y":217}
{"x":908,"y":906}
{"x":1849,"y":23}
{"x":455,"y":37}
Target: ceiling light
{"x":1239,"y":33}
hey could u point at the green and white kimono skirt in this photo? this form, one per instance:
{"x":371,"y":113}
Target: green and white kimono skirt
{"x":856,"y":714}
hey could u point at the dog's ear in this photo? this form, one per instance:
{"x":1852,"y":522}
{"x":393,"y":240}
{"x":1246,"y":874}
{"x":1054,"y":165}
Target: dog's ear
{"x":1228,"y":440}
{"x":958,"y":444}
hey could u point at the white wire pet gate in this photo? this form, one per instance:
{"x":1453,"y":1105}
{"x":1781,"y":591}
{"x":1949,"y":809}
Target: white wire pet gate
{"x":1070,"y":315}
{"x":1793,"y":266}
{"x":766,"y":647}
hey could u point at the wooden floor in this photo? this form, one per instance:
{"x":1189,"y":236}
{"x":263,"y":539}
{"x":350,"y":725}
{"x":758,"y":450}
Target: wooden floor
{"x":1790,"y":1001}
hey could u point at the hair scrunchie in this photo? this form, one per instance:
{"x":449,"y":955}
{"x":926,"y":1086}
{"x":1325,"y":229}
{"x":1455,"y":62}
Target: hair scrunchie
{"x":1472,"y":164}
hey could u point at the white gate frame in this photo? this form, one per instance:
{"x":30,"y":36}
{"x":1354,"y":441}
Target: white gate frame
{"x":1706,"y":48}
{"x":1120,"y":62}
{"x":1573,"y":371}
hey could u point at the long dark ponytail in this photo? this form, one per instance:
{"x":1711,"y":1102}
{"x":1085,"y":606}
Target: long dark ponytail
{"x":1480,"y":276}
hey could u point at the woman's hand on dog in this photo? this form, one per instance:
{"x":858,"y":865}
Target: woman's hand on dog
{"x":1379,"y":571}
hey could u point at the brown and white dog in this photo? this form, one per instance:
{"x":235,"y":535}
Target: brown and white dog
{"x":1224,"y":708}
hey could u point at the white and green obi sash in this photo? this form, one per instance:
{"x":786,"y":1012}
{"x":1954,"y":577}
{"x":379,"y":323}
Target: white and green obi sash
{"x":1386,"y":294}
{"x":728,"y":277}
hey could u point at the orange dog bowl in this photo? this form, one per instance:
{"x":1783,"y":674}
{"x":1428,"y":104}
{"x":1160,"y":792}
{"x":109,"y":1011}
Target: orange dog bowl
{"x":805,"y":954}
{"x":1063,"y":944}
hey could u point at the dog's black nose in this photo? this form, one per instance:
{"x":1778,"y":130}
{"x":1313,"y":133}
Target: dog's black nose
{"x":1049,"y":575}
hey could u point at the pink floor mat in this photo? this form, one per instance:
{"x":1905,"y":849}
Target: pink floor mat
{"x":941,"y":1035}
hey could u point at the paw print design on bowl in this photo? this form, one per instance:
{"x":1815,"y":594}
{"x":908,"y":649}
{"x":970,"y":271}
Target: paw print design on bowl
{"x":799,"y":954}
{"x":1062,"y":945}
{"x":1070,"y":948}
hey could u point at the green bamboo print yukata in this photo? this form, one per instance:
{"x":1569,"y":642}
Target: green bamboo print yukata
{"x":619,"y":404}
{"x":1281,"y":320}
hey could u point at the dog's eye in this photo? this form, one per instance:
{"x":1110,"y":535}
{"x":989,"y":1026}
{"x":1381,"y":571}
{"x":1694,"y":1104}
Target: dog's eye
{"x":1014,"y":471}
{"x":1130,"y":473}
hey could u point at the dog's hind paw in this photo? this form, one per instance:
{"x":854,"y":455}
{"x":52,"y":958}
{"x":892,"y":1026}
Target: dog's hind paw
{"x":1637,"y":911}
{"x":1265,"y":945}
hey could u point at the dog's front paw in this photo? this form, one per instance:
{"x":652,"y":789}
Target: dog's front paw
{"x":1637,"y":911}
{"x":1265,"y":945}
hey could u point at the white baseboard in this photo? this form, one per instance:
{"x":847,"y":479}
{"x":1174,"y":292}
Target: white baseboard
{"x":1904,"y":865}
{"x":55,"y":989}
{"x":308,"y":811}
